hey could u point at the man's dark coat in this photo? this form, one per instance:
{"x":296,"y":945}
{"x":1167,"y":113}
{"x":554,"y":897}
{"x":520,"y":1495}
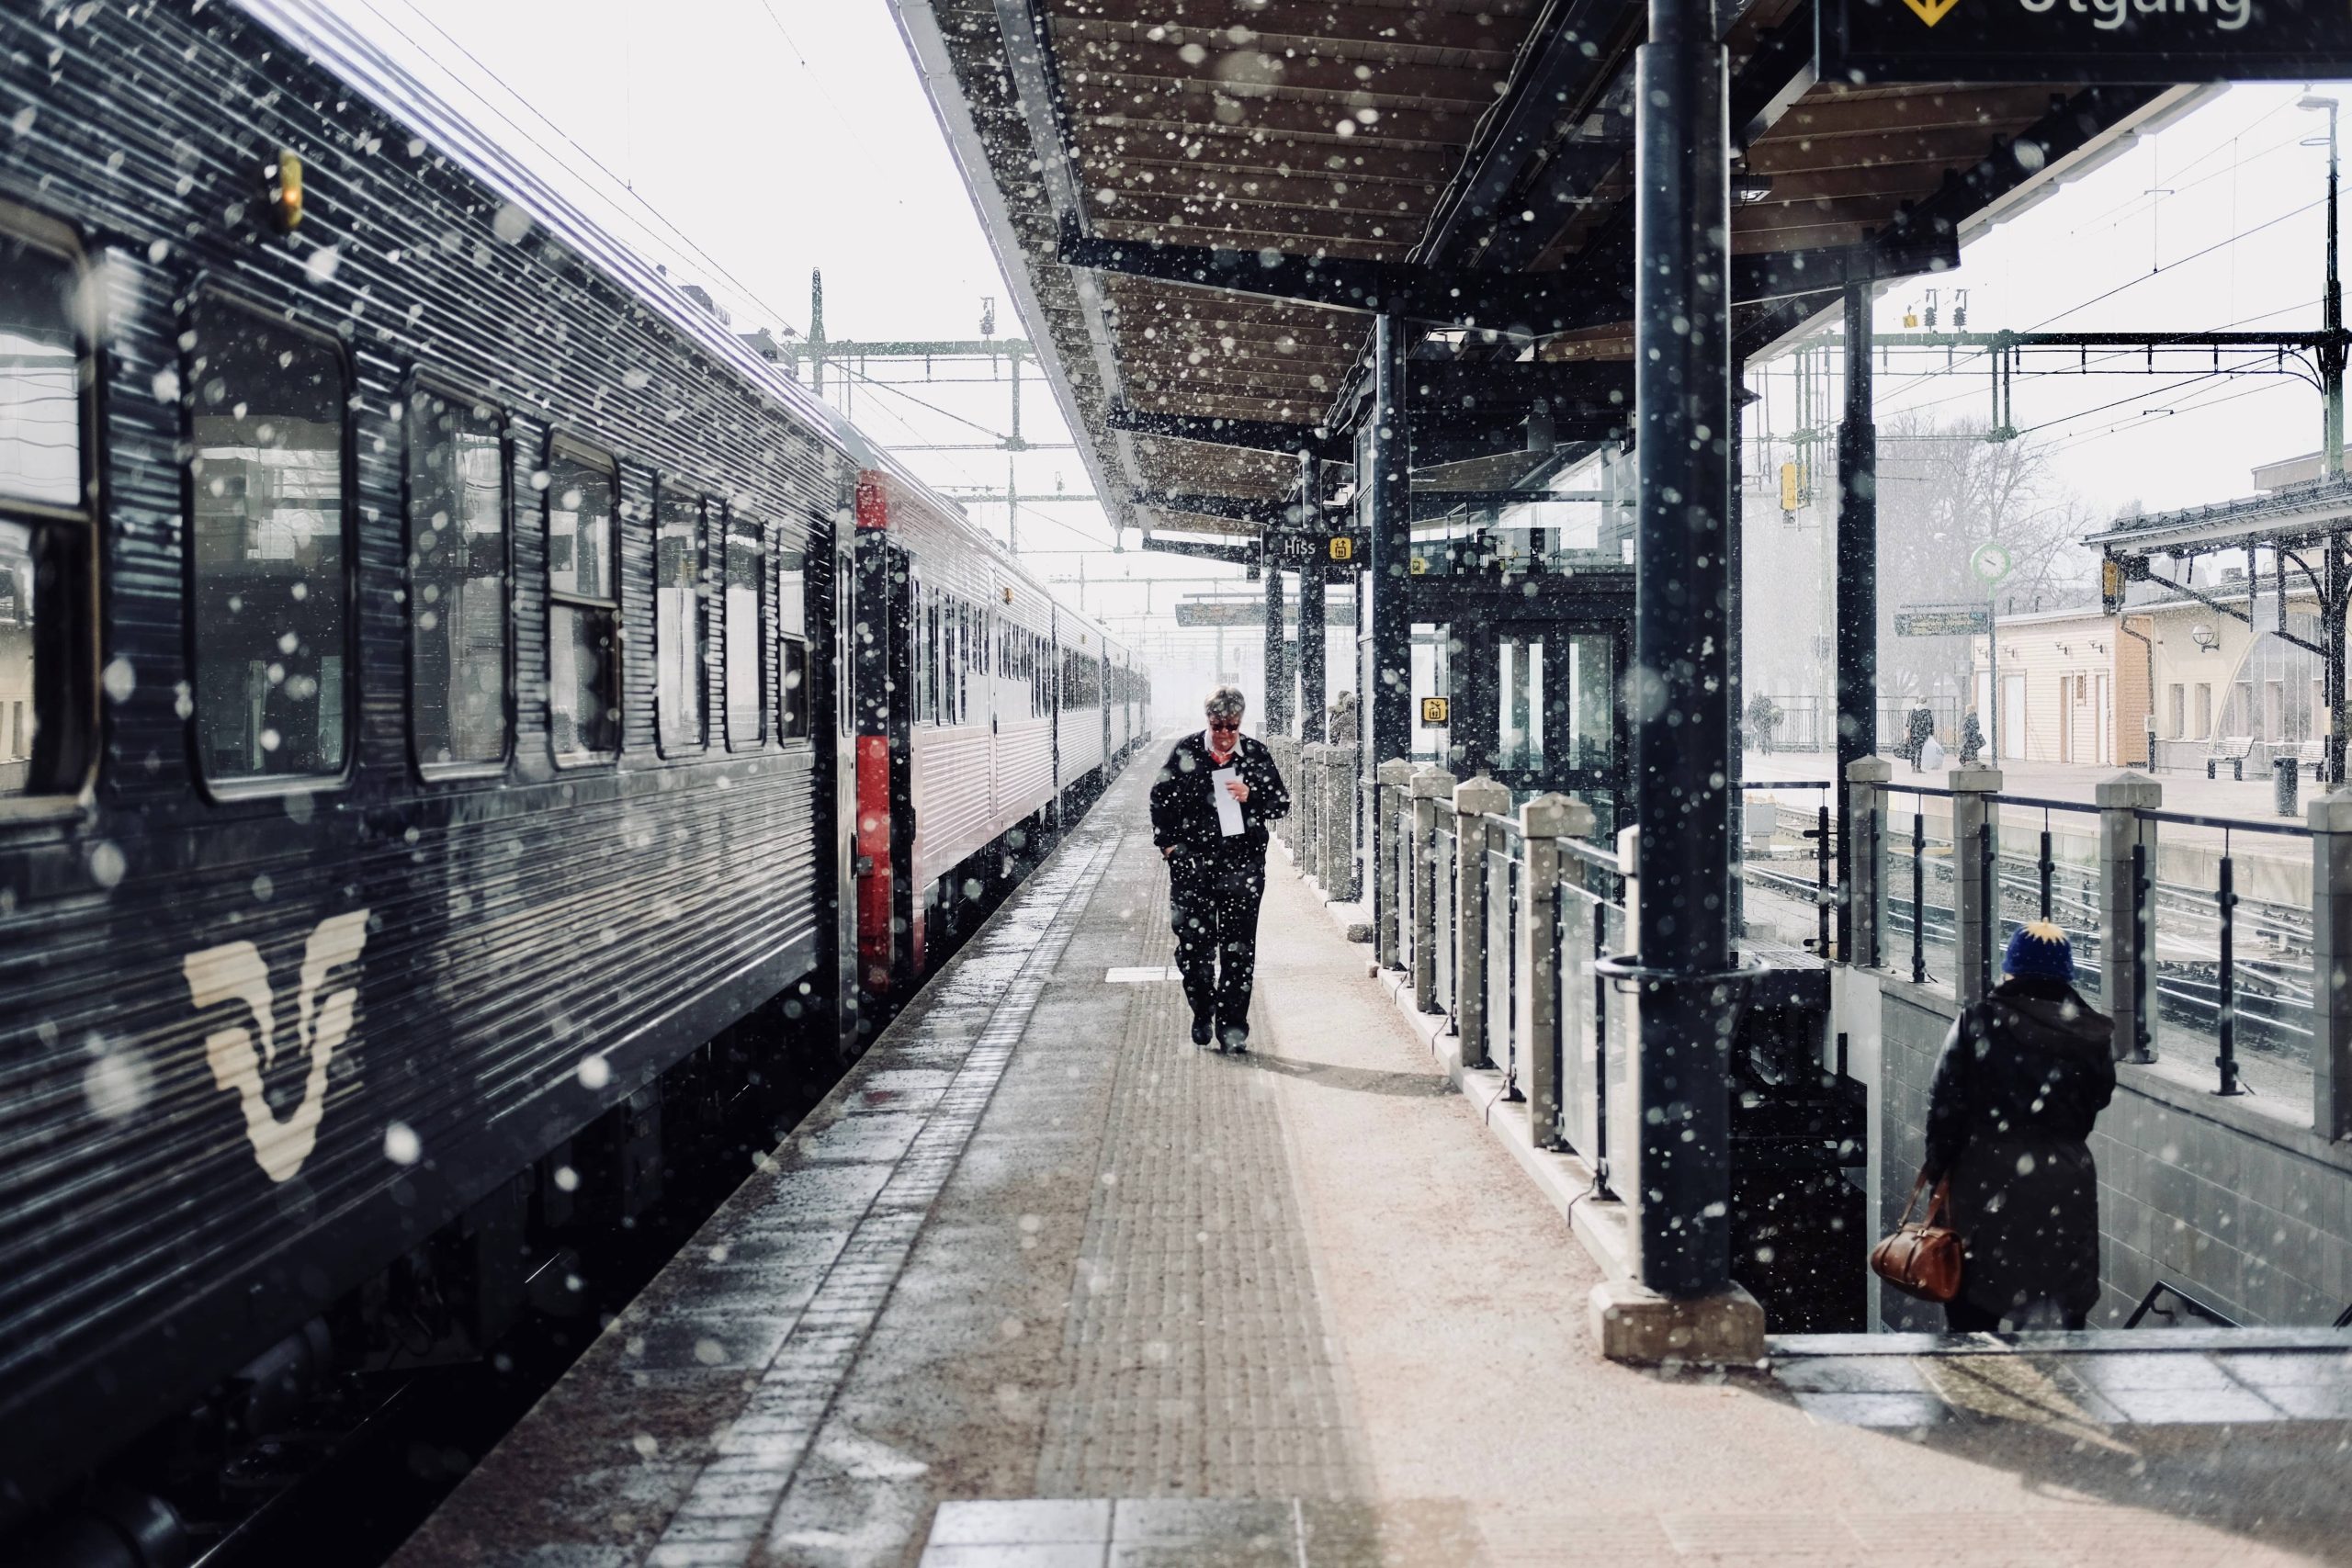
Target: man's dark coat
{"x":1183,"y":810}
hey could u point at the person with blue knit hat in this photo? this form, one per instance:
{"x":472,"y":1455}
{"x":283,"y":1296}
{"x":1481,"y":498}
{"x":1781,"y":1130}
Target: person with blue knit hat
{"x":2024,"y":1074}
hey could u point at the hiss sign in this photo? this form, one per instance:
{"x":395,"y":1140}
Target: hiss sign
{"x":1959,"y":621}
{"x":2152,"y":41}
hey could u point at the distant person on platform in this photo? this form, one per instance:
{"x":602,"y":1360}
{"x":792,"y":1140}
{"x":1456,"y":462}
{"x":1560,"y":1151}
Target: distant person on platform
{"x":1972,"y":739}
{"x":1209,"y":809}
{"x":1763,"y":717}
{"x":1917,"y":731}
{"x":1342,"y":728}
{"x":2024,"y":1074}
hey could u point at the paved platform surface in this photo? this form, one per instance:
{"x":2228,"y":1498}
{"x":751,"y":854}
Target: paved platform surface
{"x":1043,"y":1284}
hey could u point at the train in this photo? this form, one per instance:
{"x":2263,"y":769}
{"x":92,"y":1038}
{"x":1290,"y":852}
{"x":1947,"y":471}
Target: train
{"x":448,"y":678}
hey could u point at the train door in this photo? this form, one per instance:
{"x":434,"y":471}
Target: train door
{"x":838,"y":694}
{"x":881,"y":674}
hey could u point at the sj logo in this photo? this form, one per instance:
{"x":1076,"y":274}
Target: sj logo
{"x":234,"y":971}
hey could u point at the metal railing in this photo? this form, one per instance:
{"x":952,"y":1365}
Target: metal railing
{"x":1923,"y":902}
{"x":2201,"y":934}
{"x":2225,"y":968}
{"x":1495,"y":919}
{"x":1787,"y":886}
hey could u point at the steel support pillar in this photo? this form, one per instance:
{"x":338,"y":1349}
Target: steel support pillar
{"x":1278,"y":681}
{"x":1385,"y":627}
{"x":1311,"y":696}
{"x":2336,"y":572}
{"x":1688,"y":1000}
{"x":1857,"y":580}
{"x":1310,"y":652}
{"x":1735,"y":678}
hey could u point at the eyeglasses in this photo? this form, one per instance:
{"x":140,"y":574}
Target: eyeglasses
{"x":1224,"y":723}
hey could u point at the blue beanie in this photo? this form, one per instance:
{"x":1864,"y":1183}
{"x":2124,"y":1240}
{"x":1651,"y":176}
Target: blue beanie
{"x":2039,"y":951}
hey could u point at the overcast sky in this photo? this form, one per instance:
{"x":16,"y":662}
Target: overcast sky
{"x":748,"y":142}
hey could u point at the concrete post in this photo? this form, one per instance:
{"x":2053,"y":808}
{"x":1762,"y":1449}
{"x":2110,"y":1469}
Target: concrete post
{"x":1543,"y":822}
{"x":1303,"y":810}
{"x":1392,"y":798}
{"x":1430,"y":785}
{"x":1976,"y":899}
{"x":1864,"y":894}
{"x":2126,"y":940}
{"x":1346,"y":860}
{"x":1474,"y":800}
{"x":2331,"y":823}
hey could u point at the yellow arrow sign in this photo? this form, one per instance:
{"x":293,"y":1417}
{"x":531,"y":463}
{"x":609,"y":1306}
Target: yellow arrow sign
{"x":1931,"y":11}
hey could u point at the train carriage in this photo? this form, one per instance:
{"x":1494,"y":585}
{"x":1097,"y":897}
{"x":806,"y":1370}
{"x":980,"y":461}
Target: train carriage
{"x":447,"y":663}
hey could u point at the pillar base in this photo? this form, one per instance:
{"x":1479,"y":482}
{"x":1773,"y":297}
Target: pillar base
{"x":1632,"y":1323}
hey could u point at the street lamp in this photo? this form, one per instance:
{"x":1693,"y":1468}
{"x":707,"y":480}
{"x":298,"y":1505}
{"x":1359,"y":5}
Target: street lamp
{"x":2331,"y":354}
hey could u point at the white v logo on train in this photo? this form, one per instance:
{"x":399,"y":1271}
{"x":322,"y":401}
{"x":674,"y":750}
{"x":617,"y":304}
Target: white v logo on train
{"x":234,"y":971}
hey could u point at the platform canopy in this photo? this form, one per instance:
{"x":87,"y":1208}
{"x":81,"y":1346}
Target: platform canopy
{"x":1242,"y":180}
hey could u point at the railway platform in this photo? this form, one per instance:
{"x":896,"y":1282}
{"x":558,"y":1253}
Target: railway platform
{"x":1043,"y":1283}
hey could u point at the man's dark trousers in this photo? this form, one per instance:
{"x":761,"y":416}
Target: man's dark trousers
{"x":1213,"y":903}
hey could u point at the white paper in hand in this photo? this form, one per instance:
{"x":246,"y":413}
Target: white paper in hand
{"x":1228,"y":810}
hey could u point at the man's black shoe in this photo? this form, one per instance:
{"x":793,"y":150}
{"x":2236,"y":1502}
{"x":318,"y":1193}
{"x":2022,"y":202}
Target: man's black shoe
{"x":1236,"y":1040}
{"x":1202,"y":1030}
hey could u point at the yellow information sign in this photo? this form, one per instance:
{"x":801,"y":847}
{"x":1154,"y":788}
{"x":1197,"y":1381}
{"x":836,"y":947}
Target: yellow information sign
{"x":1434,"y":710}
{"x":1421,"y":566}
{"x":1343,"y":548}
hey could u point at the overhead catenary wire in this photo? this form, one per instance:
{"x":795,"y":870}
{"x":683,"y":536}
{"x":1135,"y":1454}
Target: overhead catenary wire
{"x":688,"y":247}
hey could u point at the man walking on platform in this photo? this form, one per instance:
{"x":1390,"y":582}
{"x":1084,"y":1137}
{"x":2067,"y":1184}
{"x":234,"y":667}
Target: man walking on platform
{"x":1209,"y":809}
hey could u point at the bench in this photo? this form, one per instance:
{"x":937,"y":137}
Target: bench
{"x":2231,"y":749}
{"x":2311,"y":754}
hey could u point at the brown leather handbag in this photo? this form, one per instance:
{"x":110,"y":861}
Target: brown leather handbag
{"x":1924,"y":1259}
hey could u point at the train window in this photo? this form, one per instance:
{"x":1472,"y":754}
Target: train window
{"x":958,"y":660}
{"x":946,"y":659}
{"x":746,"y":634}
{"x":47,"y":652}
{"x":792,"y":648}
{"x":456,"y":579}
{"x":583,"y":605}
{"x":272,"y":568}
{"x":681,"y":621}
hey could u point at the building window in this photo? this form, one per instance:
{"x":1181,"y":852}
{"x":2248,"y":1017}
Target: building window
{"x":2178,"y":711}
{"x":265,"y":470}
{"x":2204,"y":709}
{"x":48,"y":651}
{"x":681,"y":622}
{"x":584,"y":606}
{"x":792,"y":648}
{"x":456,"y":579}
{"x":746,"y":634}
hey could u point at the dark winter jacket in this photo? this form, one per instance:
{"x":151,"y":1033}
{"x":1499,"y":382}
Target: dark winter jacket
{"x":1183,"y":811}
{"x":2024,"y":1074}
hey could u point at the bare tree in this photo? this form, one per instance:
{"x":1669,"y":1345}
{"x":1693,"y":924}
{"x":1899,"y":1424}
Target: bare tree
{"x":1943,"y":491}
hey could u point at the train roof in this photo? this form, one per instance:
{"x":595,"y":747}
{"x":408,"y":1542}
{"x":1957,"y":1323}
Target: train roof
{"x":352,"y":57}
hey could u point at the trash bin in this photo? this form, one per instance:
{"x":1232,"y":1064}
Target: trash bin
{"x":2282,"y":785}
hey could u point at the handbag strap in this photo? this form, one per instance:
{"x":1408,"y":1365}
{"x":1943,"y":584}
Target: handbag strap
{"x":1939,"y":1202}
{"x":1913,"y":1202}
